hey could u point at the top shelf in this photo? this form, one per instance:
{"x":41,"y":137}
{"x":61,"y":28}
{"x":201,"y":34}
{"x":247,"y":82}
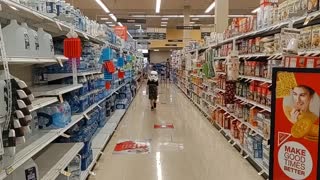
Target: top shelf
{"x":13,"y":10}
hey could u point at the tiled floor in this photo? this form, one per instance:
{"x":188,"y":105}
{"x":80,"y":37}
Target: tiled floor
{"x":193,"y":150}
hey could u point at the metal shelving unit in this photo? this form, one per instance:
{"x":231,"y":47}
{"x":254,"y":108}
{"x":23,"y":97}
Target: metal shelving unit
{"x":42,"y":102}
{"x":56,"y":158}
{"x":54,"y":90}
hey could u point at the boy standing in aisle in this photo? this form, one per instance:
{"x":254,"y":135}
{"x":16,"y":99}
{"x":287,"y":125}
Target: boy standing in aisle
{"x":153,"y":88}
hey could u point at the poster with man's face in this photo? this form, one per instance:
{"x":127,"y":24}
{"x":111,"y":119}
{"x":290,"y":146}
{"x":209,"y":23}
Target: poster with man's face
{"x":295,"y":124}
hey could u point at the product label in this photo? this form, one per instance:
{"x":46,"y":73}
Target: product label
{"x":36,"y":42}
{"x":26,"y":41}
{"x":51,"y":46}
{"x":31,"y":173}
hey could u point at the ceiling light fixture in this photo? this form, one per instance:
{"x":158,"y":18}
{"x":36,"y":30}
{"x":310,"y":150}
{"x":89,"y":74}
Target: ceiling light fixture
{"x":210,"y":7}
{"x":164,"y":19}
{"x":108,"y":22}
{"x":104,"y":19}
{"x":120,"y":24}
{"x":255,"y":10}
{"x":14,"y":8}
{"x":164,"y":22}
{"x":111,"y":25}
{"x":103,"y":6}
{"x":163,"y":25}
{"x":156,"y":50}
{"x":158,"y":5}
{"x":195,"y":19}
{"x":192,"y":22}
{"x":113,"y":17}
{"x":181,"y":16}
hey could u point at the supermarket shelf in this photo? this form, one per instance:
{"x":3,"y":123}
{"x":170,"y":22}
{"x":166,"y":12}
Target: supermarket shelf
{"x":56,"y":158}
{"x":256,"y":55}
{"x":54,"y":26}
{"x":220,"y":58}
{"x":42,"y":102}
{"x":256,"y":78}
{"x":242,"y":121}
{"x":221,"y":73}
{"x":54,"y":90}
{"x":32,"y":60}
{"x":85,"y":174}
{"x":40,"y":140}
{"x":3,"y":175}
{"x":194,"y":75}
{"x":220,"y":90}
{"x":209,"y":103}
{"x":254,"y":103}
{"x":53,"y":77}
{"x":101,"y":139}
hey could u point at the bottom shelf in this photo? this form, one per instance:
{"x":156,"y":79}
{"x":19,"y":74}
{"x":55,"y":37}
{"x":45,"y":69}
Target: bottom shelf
{"x":55,"y":158}
{"x":101,"y":139}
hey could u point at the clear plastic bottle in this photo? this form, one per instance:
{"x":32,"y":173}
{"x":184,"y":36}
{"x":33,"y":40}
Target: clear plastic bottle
{"x":16,"y":40}
{"x":34,"y":40}
{"x":46,"y":48}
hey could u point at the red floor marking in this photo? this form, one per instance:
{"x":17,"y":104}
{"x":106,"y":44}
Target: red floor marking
{"x":163,"y":126}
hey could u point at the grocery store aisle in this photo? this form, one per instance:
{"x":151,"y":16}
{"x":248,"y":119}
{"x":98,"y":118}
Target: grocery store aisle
{"x":193,"y":150}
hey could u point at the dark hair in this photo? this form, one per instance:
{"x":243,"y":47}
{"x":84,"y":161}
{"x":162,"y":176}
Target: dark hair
{"x":309,"y":89}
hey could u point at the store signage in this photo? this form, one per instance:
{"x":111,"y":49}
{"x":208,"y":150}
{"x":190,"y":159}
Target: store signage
{"x":295,"y":124}
{"x":132,"y":147}
{"x":139,"y":21}
{"x":175,"y":40}
{"x":188,"y":27}
{"x":121,"y":31}
{"x":157,"y":36}
{"x":175,"y":45}
{"x":163,"y":126}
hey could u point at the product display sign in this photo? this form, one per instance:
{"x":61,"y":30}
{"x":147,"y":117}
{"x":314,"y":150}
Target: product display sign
{"x":163,"y":126}
{"x":132,"y":147}
{"x":121,"y":31}
{"x":295,"y":124}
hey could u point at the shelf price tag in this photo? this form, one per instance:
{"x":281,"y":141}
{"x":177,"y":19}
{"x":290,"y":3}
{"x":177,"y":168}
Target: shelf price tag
{"x":65,"y":135}
{"x":65,"y":173}
{"x":86,"y":116}
{"x":10,"y":170}
{"x":58,"y":24}
{"x":61,"y":98}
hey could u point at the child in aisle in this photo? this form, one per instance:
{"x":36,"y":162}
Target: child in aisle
{"x":153,"y":88}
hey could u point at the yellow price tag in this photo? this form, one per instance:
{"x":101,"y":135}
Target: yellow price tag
{"x":66,"y":173}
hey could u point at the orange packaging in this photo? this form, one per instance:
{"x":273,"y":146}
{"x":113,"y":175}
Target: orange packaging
{"x":253,"y":113}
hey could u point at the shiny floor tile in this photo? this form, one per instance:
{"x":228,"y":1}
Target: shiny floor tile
{"x":193,"y":150}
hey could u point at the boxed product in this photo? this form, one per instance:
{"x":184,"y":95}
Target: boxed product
{"x":313,"y":5}
{"x":305,"y":38}
{"x":287,"y":34}
{"x":315,"y":37}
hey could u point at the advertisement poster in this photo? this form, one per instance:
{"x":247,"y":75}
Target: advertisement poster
{"x":121,"y":31}
{"x":132,"y":147}
{"x":295,"y":124}
{"x":163,"y":126}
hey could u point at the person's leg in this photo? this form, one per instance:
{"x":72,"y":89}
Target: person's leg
{"x":151,"y":103}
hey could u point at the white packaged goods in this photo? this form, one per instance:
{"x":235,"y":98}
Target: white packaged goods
{"x":34,"y":40}
{"x":16,"y":40}
{"x":46,"y":44}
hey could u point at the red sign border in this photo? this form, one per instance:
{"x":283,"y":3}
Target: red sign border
{"x":273,"y":115}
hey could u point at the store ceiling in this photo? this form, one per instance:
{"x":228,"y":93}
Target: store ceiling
{"x":129,"y":8}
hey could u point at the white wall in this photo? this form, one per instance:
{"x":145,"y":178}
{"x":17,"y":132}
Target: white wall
{"x":159,"y":56}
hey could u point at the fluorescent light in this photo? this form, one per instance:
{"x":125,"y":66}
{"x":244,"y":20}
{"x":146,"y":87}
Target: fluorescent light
{"x":120,"y":24}
{"x":156,"y":50}
{"x":111,"y":25}
{"x":158,"y":5}
{"x":113,"y":17}
{"x":109,"y":22}
{"x":192,"y":22}
{"x":164,"y":19}
{"x":195,"y":19}
{"x":255,"y":10}
{"x":104,"y":19}
{"x":181,"y":16}
{"x":163,"y":25}
{"x":210,"y":7}
{"x":103,"y":6}
{"x":138,"y":25}
{"x":164,"y":22}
